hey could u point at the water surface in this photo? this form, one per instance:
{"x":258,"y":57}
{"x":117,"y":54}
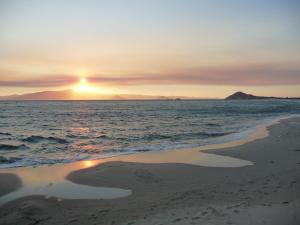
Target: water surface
{"x":49,"y":132}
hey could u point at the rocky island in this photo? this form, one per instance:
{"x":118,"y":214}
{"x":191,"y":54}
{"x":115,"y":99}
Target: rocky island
{"x":243,"y":96}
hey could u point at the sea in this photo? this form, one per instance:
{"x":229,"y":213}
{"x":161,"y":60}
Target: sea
{"x":33,"y":133}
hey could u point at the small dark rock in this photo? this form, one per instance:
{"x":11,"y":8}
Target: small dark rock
{"x":176,"y":220}
{"x":196,"y":218}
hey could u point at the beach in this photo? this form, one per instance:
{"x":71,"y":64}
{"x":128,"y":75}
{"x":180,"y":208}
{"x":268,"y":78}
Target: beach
{"x":263,"y":192}
{"x":149,"y":112}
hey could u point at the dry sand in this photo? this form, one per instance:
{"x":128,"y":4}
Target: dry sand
{"x":267,"y":192}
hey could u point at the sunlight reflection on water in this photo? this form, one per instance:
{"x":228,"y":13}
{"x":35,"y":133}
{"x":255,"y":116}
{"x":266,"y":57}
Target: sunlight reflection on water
{"x":49,"y":181}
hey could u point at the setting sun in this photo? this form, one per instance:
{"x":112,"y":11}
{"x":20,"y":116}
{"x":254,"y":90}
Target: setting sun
{"x":83,"y":86}
{"x":82,"y":80}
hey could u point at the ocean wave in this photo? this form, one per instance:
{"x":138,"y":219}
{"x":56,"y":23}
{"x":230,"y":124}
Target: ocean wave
{"x":103,"y":136}
{"x":77,"y":136}
{"x":184,"y":136}
{"x":37,"y":138}
{"x":155,"y":136}
{"x":212,"y":124}
{"x":9,"y":160}
{"x":13,"y":162}
{"x":147,"y":148}
{"x":12,"y":147}
{"x":216,"y":134}
{"x":5,"y":134}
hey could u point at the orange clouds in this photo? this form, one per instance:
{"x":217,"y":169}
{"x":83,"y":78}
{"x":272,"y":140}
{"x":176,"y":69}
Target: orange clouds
{"x":254,"y":75}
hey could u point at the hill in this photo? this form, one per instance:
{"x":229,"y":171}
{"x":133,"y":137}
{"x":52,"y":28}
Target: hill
{"x":73,"y":95}
{"x":243,"y":96}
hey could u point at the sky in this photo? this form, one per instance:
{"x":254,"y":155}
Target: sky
{"x":197,"y":48}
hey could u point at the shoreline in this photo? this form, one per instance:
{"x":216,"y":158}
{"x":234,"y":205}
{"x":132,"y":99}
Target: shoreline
{"x":256,"y":132}
{"x":177,"y":193}
{"x":207,"y":155}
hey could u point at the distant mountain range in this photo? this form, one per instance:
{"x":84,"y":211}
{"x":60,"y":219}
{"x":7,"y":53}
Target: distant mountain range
{"x":73,"y":95}
{"x":243,"y":96}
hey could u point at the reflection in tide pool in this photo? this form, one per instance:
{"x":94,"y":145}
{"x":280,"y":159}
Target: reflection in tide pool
{"x":49,"y":181}
{"x":66,"y":190}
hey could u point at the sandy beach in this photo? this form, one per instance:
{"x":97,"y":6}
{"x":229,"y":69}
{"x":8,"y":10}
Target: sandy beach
{"x":264,"y":192}
{"x":179,"y":112}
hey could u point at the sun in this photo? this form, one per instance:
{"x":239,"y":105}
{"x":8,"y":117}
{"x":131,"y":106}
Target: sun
{"x":83,"y":86}
{"x":83,"y":80}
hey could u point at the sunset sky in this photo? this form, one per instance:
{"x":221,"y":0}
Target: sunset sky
{"x":199,"y":48}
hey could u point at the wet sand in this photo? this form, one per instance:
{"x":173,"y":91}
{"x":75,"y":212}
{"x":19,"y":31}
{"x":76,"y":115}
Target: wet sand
{"x":267,"y":192}
{"x":9,"y":182}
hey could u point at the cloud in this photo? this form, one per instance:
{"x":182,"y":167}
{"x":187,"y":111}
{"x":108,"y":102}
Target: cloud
{"x":43,"y":81}
{"x":254,"y":75}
